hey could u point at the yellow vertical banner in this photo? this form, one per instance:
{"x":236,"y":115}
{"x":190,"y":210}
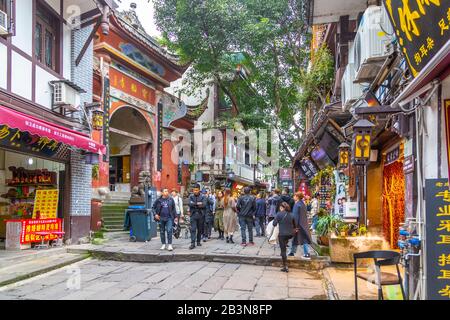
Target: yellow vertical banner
{"x":46,"y":204}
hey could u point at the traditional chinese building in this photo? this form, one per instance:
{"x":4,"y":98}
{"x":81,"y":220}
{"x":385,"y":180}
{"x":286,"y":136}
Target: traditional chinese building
{"x":131,"y":72}
{"x":46,"y":146}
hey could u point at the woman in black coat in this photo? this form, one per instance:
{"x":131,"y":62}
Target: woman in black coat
{"x":287,"y":229}
{"x":302,"y":237}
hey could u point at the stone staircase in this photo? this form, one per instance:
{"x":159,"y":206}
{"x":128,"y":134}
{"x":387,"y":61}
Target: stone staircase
{"x":113,"y":210}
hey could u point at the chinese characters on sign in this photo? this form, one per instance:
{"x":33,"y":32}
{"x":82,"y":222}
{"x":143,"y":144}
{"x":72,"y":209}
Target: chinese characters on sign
{"x":438,"y":239}
{"x":422,"y":28}
{"x":32,"y":226}
{"x":46,"y":204}
{"x":160,"y":136}
{"x":106,"y":109}
{"x":23,"y":141}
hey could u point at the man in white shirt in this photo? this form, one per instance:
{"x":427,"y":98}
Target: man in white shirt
{"x":178,"y":203}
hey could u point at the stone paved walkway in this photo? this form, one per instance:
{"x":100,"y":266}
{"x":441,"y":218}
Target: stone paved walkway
{"x":118,"y":247}
{"x":197,"y":280}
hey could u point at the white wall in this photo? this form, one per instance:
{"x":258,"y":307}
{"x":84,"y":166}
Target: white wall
{"x":43,"y":89}
{"x":21,"y":79}
{"x":24,"y":20}
{"x":430,"y":138}
{"x":55,"y":4}
{"x":67,"y":50}
{"x":3,"y":66}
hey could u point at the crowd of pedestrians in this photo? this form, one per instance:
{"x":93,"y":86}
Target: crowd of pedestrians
{"x":225,"y":212}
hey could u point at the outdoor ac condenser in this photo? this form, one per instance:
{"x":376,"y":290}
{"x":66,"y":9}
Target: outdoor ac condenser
{"x":3,"y":23}
{"x":350,"y":91}
{"x":374,"y":34}
{"x":65,"y":96}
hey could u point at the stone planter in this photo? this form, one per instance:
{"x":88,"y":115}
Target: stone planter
{"x":343,"y":248}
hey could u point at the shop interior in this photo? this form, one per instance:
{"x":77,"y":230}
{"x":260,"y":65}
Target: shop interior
{"x":21,"y":176}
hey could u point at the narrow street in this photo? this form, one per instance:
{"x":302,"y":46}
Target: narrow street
{"x":110,"y":280}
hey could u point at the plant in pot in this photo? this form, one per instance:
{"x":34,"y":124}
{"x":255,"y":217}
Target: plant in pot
{"x":343,"y":229}
{"x":325,"y":225}
{"x":362,"y":230}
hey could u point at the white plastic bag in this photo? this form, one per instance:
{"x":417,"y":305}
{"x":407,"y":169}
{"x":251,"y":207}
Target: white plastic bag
{"x":273,"y":234}
{"x":269,"y":229}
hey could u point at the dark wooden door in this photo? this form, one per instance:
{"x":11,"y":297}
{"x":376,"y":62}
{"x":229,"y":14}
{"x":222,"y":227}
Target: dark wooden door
{"x":140,"y":160}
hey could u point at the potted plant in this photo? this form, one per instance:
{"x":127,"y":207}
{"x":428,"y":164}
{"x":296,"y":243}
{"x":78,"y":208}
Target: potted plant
{"x":325,"y":225}
{"x":343,"y":229}
{"x":362,"y":230}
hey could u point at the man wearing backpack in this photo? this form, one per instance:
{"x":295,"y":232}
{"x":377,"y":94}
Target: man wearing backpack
{"x":274,"y":204}
{"x":246,"y":210}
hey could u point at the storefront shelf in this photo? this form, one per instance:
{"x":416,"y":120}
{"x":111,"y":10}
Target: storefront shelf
{"x":32,"y":185}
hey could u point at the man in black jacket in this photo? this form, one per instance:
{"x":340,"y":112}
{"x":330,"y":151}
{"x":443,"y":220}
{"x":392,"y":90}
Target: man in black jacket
{"x":165,"y":213}
{"x":246,"y":209}
{"x":196,"y":211}
{"x":285,"y":197}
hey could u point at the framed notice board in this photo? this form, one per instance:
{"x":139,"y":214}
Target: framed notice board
{"x":437,"y":197}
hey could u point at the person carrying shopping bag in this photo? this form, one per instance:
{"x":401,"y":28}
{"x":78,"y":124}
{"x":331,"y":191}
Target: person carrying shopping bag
{"x":287,"y":229}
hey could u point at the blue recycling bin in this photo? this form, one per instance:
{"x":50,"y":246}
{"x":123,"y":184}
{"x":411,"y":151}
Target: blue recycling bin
{"x":141,"y":224}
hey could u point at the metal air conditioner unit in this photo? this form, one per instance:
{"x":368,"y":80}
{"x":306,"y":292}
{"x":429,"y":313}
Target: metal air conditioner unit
{"x":350,"y":91}
{"x":372,"y":38}
{"x":66,"y":95}
{"x":3,"y":23}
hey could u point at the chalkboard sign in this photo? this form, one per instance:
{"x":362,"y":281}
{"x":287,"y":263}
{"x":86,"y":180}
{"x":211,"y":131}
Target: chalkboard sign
{"x":437,"y":197}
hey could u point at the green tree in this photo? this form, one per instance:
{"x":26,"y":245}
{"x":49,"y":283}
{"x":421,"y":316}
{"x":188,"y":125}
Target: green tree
{"x":267,"y":37}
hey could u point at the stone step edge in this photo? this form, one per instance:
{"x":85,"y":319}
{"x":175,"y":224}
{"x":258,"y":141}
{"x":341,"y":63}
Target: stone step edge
{"x":82,"y":256}
{"x":315,"y":264}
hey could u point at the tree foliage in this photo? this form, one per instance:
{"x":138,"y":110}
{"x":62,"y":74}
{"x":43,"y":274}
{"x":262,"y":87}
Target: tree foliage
{"x":267,"y":37}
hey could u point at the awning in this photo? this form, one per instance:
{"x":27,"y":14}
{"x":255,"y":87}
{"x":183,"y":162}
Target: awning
{"x":18,"y":120}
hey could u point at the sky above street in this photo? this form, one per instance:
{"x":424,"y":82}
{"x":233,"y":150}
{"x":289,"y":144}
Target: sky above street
{"x":145,"y":13}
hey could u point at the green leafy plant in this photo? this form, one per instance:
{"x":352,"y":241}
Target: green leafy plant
{"x":95,"y":171}
{"x":362,"y":230}
{"x":327,"y":224}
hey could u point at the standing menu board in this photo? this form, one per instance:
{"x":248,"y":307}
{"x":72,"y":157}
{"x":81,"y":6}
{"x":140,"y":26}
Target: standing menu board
{"x":46,"y":204}
{"x":437,"y":197}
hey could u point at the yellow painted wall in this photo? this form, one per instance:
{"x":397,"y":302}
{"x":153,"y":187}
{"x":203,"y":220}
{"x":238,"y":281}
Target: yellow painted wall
{"x":126,"y":169}
{"x":374,"y":194}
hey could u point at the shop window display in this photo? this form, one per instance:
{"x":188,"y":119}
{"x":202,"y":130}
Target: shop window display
{"x":29,"y":200}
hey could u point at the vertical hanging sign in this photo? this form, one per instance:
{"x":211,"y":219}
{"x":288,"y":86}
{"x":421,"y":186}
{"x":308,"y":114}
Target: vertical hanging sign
{"x":106,"y":108}
{"x":437,"y":197}
{"x":160,"y":136}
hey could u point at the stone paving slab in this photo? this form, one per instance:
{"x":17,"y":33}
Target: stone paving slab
{"x":202,"y":281}
{"x":119,"y":248}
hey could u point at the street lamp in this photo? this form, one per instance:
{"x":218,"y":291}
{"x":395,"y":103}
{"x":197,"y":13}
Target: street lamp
{"x":362,"y":131}
{"x":344,"y":155}
{"x":97,"y":115}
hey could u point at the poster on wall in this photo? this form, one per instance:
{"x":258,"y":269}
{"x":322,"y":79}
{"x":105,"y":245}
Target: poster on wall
{"x":341,"y":181}
{"x":437,"y":197}
{"x":46,"y":204}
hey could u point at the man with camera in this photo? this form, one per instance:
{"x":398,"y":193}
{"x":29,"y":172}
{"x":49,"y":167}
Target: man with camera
{"x":196,"y":211}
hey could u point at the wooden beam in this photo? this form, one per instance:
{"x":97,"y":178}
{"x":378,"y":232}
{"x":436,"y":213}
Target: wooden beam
{"x":129,"y":135}
{"x":88,"y":41}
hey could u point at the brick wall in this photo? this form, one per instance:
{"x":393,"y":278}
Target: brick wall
{"x":81,"y":173}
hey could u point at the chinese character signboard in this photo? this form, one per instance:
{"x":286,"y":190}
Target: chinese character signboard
{"x":106,"y":109}
{"x":422,"y":28}
{"x":308,"y":168}
{"x":22,"y":141}
{"x":45,"y":204}
{"x":285,"y":174}
{"x":438,"y":239}
{"x":160,"y":137}
{"x":34,"y":229}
